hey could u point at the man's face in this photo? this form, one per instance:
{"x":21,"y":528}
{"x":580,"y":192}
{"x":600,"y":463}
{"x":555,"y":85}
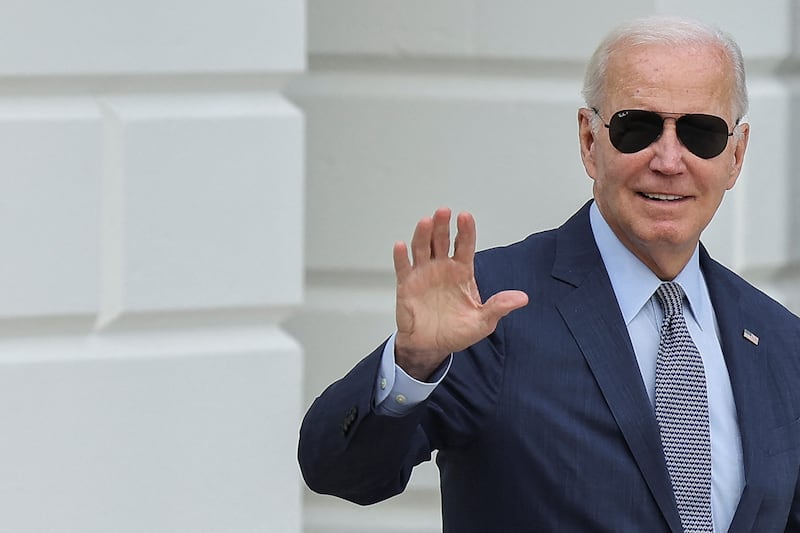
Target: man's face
{"x":658,"y":200}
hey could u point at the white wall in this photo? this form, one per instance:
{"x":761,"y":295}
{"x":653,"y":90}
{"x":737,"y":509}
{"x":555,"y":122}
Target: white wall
{"x":416,"y":104}
{"x":151,"y":221}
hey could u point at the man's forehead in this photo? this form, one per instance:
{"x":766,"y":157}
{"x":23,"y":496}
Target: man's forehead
{"x":663,"y":56}
{"x":688,"y":72}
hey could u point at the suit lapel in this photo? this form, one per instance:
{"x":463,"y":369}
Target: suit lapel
{"x":592,"y":314}
{"x":745,"y":362}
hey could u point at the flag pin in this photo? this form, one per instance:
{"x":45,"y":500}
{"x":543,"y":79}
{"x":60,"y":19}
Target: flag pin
{"x":752,"y":337}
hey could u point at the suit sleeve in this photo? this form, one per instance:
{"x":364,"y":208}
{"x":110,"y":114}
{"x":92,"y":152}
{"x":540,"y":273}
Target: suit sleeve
{"x":350,"y":450}
{"x":347,"y":449}
{"x":793,"y":526}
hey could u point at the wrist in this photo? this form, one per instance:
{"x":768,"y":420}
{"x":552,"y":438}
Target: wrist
{"x":417,"y":364}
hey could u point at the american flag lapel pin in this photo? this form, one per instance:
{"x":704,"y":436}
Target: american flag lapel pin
{"x":749,"y":335}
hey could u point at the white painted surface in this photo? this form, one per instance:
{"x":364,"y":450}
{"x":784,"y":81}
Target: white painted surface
{"x":156,"y":432}
{"x":231,"y":166}
{"x":45,"y":38}
{"x":151,"y":221}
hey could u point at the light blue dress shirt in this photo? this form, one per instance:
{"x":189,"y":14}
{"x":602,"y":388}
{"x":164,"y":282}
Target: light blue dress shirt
{"x":634,"y":286}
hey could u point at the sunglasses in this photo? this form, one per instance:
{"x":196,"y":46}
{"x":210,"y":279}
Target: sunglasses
{"x":632,"y":130}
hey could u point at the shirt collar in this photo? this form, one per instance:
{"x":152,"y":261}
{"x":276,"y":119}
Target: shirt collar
{"x":634,"y":283}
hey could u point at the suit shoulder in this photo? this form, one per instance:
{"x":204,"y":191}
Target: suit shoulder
{"x":515,"y":265}
{"x":534,"y":245}
{"x":754,"y":298}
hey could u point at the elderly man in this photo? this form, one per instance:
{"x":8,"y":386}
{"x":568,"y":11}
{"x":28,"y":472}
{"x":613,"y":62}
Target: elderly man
{"x":638,"y":385}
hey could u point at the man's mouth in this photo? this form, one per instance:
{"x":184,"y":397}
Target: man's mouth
{"x":662,"y":197}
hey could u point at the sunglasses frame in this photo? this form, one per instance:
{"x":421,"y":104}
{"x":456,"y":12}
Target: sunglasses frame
{"x":659,"y":115}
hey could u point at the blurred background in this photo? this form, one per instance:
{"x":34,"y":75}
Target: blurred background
{"x":199,"y":202}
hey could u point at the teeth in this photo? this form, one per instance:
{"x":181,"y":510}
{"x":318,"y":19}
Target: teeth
{"x":662,"y":196}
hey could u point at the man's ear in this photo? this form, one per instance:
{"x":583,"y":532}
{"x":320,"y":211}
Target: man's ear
{"x":586,"y":137}
{"x":740,"y":138}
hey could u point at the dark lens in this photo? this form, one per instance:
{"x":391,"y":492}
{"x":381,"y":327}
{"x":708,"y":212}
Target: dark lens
{"x":633,"y":130}
{"x":704,"y":135}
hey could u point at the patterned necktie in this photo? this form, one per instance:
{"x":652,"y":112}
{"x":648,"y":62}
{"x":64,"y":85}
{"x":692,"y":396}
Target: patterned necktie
{"x":682,"y":414}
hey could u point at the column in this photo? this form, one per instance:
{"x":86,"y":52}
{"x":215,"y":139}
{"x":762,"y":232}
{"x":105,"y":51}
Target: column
{"x":152,"y":225}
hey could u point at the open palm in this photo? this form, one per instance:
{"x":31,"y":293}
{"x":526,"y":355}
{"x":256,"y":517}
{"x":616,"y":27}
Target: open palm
{"x":439,"y":309}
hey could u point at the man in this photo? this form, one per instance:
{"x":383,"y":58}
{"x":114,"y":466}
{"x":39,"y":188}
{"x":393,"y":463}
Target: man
{"x":643,"y":388}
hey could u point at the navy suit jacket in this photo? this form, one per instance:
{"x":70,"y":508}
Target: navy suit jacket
{"x":545,"y":425}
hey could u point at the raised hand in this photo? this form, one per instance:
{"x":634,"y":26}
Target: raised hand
{"x":439,"y":309}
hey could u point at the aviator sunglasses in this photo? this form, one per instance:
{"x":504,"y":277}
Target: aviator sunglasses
{"x":632,"y":130}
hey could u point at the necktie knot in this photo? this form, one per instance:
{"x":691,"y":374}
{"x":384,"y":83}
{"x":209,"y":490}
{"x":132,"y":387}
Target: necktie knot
{"x":670,"y":295}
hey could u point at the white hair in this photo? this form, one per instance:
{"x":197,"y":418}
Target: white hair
{"x":673,"y":31}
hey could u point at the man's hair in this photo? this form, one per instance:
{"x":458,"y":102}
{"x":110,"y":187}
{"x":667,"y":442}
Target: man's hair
{"x":673,"y":31}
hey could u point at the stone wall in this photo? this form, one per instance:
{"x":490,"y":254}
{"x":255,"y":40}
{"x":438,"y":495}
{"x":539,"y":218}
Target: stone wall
{"x":151,"y":221}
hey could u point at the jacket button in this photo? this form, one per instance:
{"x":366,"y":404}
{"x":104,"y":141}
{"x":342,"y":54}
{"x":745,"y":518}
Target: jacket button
{"x":349,"y":418}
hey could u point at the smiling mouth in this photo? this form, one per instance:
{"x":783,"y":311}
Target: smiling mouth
{"x":662,"y":197}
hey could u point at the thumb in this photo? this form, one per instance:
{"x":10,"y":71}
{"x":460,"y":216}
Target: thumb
{"x":502,"y":303}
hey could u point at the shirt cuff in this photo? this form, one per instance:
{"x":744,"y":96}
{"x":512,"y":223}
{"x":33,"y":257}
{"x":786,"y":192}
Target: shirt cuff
{"x":397,"y":393}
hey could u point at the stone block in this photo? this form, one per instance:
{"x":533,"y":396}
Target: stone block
{"x":179,"y":432}
{"x":383,"y":152}
{"x":208,"y":196}
{"x":478,"y":29}
{"x":92,"y":37}
{"x":50,"y":148}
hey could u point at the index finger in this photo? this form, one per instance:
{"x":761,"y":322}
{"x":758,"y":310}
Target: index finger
{"x":402,"y":266}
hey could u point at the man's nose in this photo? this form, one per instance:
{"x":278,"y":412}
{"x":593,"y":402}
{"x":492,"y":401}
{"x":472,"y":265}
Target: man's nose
{"x":668,"y":151}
